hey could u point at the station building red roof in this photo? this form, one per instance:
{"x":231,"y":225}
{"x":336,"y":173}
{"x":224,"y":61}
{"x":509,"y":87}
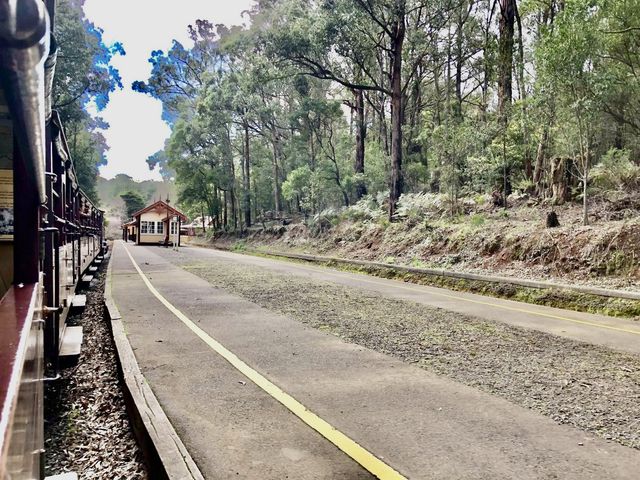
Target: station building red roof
{"x":161,"y":205}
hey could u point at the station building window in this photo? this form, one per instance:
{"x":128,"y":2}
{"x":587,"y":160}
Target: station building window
{"x":174,"y":228}
{"x":148,"y":227}
{"x":160,"y":228}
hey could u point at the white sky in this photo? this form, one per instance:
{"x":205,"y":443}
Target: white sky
{"x":137,"y":129}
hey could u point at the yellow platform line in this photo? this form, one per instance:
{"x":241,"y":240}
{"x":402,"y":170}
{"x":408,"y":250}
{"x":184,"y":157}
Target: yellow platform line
{"x":431,"y":290}
{"x":362,"y":456}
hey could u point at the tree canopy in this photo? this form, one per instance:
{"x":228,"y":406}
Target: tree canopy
{"x":84,"y":76}
{"x":322,"y":104}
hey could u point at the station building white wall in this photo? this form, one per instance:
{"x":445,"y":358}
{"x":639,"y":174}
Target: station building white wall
{"x":153,"y":216}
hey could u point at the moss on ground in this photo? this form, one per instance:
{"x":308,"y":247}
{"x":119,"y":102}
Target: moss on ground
{"x":565,"y":299}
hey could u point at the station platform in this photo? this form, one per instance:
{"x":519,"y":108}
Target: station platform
{"x":393,"y":420}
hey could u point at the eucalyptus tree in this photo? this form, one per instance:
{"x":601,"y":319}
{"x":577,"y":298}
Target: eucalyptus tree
{"x":618,"y":29}
{"x":84,"y":76}
{"x":178,"y":74}
{"x":285,"y":115}
{"x":569,"y":61}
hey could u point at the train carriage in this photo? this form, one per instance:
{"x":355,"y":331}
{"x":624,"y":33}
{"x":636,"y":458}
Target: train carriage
{"x":50,"y":231}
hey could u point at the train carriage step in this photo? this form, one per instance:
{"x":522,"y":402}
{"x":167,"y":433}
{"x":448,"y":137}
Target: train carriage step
{"x":93,"y":269}
{"x":63,"y":476}
{"x":79,"y":301}
{"x":97,"y":261}
{"x":71,"y":342}
{"x":87,"y":278}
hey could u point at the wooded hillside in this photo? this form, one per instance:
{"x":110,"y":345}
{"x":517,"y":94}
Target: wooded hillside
{"x":323,"y":104}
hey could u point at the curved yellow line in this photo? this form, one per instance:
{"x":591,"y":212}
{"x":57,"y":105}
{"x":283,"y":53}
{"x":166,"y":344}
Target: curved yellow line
{"x":362,"y":456}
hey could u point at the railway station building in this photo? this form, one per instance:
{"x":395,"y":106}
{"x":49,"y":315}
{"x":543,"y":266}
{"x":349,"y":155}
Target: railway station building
{"x":156,"y":224}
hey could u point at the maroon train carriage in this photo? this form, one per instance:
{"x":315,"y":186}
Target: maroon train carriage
{"x":50,"y":232}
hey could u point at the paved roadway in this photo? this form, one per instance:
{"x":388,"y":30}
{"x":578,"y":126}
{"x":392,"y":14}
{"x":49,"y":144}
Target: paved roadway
{"x":411,"y":422}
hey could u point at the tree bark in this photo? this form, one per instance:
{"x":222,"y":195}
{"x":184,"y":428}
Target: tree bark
{"x":361,"y":135}
{"x":246,"y":180}
{"x":276,"y":179}
{"x":457,"y":108}
{"x":397,"y":42}
{"x":225,"y":211}
{"x":538,"y":173}
{"x":528,"y":168}
{"x":560,"y":180}
{"x":585,"y":204}
{"x":505,"y":52}
{"x":487,"y":63}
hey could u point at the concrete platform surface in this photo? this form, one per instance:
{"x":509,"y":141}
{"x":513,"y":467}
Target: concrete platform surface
{"x":423,"y":425}
{"x":617,"y":333}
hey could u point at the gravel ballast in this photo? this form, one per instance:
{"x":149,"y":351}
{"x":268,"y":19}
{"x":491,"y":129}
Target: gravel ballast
{"x":586,"y":386}
{"x":87,"y":429}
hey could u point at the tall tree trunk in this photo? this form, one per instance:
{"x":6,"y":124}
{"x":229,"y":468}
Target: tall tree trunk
{"x":276,"y":179}
{"x":487,"y":60}
{"x":255,"y":196}
{"x":505,"y":80}
{"x":218,"y":211}
{"x":436,"y":87}
{"x":457,"y":110}
{"x":538,"y":173}
{"x":225,"y":211}
{"x":312,"y":144}
{"x":397,"y":110}
{"x":585,"y":204}
{"x":361,"y":135}
{"x":246,"y":180}
{"x":505,"y":57}
{"x":234,"y":211}
{"x":528,"y":168}
{"x":380,"y":101}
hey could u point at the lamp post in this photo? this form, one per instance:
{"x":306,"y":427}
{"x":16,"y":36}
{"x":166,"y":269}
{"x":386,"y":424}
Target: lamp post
{"x":176,"y":238}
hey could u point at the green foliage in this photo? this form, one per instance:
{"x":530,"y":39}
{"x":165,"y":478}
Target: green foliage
{"x":109,"y":192}
{"x":301,"y":185}
{"x":418,"y":206}
{"x":616,"y":171}
{"x":477,"y":220}
{"x":133,"y":202}
{"x":270,"y":121}
{"x":84,"y":74}
{"x":366,"y":209}
{"x":239,"y":246}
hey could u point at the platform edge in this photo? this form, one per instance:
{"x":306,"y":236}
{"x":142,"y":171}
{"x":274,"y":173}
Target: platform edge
{"x":165,"y":454}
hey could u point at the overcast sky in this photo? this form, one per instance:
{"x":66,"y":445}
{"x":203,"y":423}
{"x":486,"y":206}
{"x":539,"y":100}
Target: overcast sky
{"x":137,"y":129}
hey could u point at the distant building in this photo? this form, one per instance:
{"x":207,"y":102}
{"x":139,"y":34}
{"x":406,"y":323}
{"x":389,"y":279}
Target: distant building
{"x":199,"y":224}
{"x":159,"y":223}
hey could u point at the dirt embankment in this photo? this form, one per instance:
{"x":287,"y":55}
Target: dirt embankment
{"x":485,"y":240}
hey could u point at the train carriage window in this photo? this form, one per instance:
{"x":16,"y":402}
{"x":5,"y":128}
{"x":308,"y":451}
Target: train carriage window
{"x":6,"y":201}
